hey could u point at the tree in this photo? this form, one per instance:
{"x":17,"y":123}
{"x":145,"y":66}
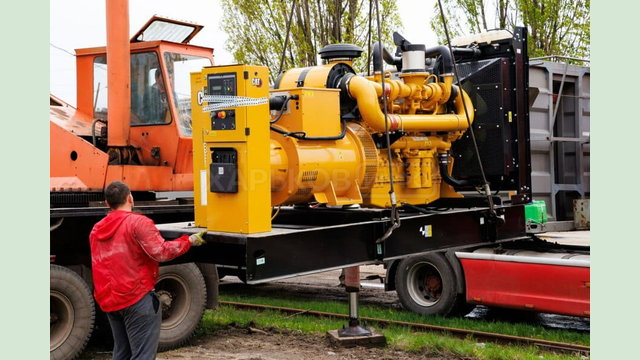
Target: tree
{"x":556,"y":27}
{"x":257,"y":29}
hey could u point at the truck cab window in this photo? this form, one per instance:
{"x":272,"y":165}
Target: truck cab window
{"x":180,"y":67}
{"x":149,"y":101}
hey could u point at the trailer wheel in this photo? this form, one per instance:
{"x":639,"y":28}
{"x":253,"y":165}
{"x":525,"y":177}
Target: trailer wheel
{"x":71,"y":313}
{"x":426,"y":285}
{"x":183,"y":295}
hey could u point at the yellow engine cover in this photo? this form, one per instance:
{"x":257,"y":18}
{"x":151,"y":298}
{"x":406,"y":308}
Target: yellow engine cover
{"x":314,"y":111}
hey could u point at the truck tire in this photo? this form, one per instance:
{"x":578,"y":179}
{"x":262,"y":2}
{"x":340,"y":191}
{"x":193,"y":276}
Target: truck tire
{"x":182,"y":292}
{"x":72,"y":313}
{"x":426,"y":285}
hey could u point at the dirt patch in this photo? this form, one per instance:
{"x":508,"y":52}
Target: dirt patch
{"x":234,"y":343}
{"x":241,"y":344}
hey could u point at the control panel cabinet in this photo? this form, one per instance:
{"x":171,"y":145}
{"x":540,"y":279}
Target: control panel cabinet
{"x":230,"y":119}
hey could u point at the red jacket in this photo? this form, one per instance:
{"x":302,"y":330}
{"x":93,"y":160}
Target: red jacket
{"x":125,"y":251}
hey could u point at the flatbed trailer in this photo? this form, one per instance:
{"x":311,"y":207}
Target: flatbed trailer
{"x":306,"y":241}
{"x":464,"y":257}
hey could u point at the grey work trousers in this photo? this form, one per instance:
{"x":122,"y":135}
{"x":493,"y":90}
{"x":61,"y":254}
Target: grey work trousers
{"x":136,"y":329}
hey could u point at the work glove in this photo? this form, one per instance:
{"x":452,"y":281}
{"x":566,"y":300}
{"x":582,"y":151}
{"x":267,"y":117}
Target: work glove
{"x":197,"y":239}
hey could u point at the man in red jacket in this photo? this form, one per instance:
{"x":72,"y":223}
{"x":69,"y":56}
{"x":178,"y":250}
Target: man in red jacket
{"x":125,"y":250}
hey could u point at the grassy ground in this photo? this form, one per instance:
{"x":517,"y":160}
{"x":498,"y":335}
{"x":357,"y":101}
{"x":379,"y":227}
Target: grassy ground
{"x":517,"y":329}
{"x":398,"y":337}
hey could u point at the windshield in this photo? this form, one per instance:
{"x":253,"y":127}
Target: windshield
{"x":180,"y":67}
{"x":149,"y":104}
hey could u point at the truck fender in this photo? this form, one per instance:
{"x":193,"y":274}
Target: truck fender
{"x":390,"y":276}
{"x":450,"y":255}
{"x":211,"y":280}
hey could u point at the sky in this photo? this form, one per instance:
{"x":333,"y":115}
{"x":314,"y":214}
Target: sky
{"x":81,"y":23}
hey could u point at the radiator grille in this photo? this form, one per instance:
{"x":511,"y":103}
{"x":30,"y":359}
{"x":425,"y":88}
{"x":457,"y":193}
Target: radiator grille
{"x":370,"y":156}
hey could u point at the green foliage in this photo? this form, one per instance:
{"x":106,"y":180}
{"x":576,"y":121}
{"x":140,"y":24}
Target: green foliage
{"x":556,"y":27}
{"x":257,"y":29}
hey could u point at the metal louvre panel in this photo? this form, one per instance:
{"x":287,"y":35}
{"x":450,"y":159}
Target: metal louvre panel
{"x":485,"y":83}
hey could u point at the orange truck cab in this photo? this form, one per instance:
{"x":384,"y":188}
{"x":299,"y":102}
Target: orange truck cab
{"x":158,"y":151}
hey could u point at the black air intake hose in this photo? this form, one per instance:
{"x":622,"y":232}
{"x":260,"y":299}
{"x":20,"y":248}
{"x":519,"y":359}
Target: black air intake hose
{"x":278,"y":102}
{"x":443,"y":51}
{"x":386,"y":55}
{"x":466,"y":53}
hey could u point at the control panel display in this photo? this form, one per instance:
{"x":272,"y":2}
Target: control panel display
{"x":223,"y":84}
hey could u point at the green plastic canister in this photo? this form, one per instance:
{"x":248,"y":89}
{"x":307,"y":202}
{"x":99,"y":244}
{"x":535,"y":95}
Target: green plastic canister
{"x":536,"y":212}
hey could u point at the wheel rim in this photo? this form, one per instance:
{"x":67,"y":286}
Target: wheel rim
{"x":424,"y":284}
{"x":61,"y":318}
{"x":175,"y":300}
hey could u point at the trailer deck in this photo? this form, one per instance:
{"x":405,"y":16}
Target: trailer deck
{"x":308,"y":240}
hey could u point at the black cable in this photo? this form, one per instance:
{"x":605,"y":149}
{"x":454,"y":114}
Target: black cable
{"x":369,"y":40}
{"x":301,"y":135}
{"x":294,"y":134}
{"x":428,"y":210}
{"x":416,"y":208}
{"x":61,"y":49}
{"x":93,"y":129}
{"x":487,"y":189}
{"x":395,"y":215}
{"x":282,"y":108}
{"x":286,"y":38}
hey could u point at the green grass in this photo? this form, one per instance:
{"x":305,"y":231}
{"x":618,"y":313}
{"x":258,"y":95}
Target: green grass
{"x":517,"y":329}
{"x":398,"y":337}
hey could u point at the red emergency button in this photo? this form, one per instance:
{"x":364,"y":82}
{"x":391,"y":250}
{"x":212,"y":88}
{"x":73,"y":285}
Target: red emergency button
{"x":222,"y":115}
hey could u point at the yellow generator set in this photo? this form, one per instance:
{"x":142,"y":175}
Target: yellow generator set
{"x":319,"y":136}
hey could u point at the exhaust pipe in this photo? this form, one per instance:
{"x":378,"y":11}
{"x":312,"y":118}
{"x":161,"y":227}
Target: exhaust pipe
{"x":366,"y":95}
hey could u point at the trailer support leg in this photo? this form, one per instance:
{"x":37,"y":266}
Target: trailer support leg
{"x":355,"y":334}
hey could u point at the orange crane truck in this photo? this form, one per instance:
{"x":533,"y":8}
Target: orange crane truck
{"x":132,"y":123}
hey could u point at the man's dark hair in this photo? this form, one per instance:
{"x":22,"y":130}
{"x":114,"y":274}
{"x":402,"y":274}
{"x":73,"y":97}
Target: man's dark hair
{"x":116,"y":194}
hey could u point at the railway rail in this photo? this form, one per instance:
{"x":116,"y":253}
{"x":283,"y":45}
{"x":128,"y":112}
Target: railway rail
{"x":547,"y":345}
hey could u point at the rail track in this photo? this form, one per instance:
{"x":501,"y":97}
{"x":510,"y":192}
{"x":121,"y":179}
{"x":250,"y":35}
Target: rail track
{"x":547,"y":345}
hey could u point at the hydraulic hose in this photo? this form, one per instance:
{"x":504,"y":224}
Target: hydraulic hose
{"x":93,"y":129}
{"x":443,"y":161}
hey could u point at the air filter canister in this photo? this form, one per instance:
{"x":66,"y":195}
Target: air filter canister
{"x":413,"y":58}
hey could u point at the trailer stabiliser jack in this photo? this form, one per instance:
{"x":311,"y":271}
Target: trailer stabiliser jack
{"x":355,"y":334}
